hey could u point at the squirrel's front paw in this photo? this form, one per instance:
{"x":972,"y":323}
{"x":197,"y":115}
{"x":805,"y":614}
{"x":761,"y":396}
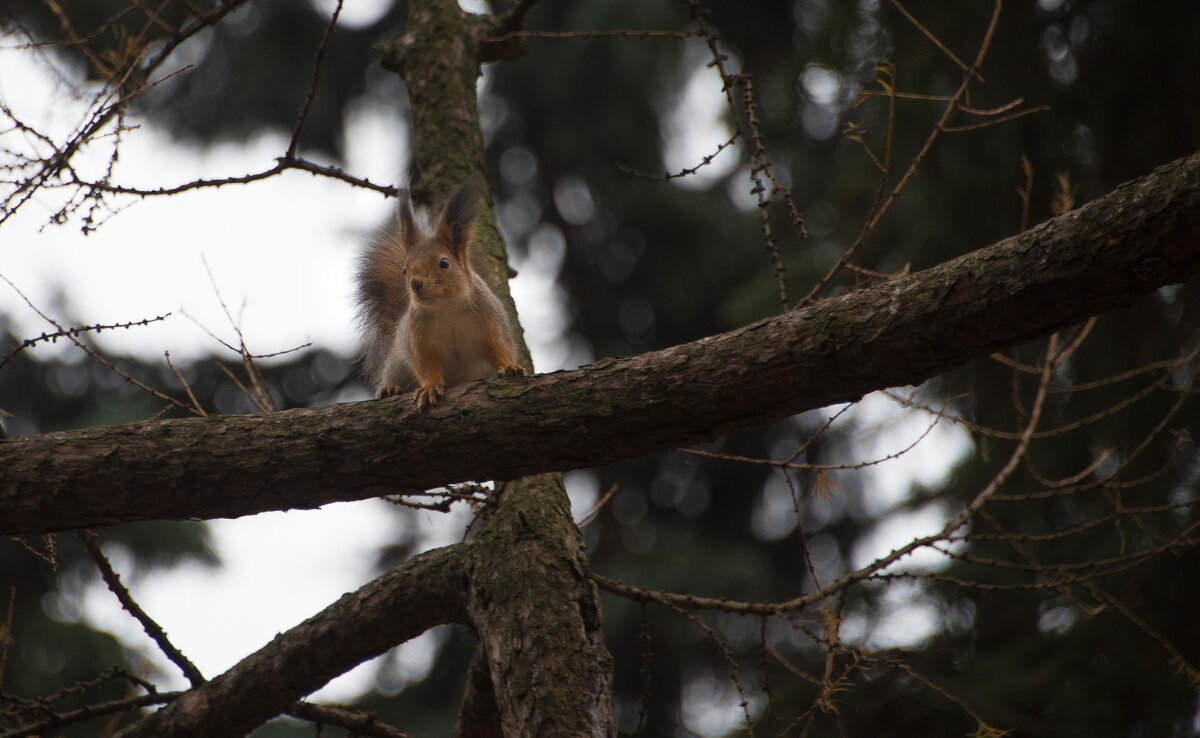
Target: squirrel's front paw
{"x":428,"y":395}
{"x":389,"y":391}
{"x":511,"y":371}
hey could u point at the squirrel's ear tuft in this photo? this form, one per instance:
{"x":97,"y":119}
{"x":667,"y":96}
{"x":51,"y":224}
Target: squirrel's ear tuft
{"x":459,"y":217}
{"x":404,"y":216}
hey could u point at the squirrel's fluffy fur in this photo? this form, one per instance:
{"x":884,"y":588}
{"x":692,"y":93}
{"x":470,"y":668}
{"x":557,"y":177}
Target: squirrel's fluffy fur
{"x":428,"y":320}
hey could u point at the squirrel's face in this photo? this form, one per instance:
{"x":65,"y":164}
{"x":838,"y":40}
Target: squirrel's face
{"x":437,"y":264}
{"x":434,"y":274}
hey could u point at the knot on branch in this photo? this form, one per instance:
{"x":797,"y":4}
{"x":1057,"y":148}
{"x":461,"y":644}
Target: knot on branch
{"x":494,"y":41}
{"x":394,"y":53}
{"x":487,"y":36}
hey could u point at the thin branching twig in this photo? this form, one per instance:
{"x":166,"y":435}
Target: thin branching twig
{"x":92,"y":543}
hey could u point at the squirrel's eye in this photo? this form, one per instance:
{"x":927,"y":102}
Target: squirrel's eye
{"x":404,"y":270}
{"x":444,"y":263}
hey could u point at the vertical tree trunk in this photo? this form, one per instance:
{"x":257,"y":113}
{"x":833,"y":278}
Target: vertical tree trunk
{"x":535,"y":610}
{"x":538,"y":616}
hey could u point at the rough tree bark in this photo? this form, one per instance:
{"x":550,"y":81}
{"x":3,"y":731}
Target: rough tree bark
{"x":1142,"y":236}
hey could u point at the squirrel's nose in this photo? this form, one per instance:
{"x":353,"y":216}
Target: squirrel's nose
{"x":417,"y":283}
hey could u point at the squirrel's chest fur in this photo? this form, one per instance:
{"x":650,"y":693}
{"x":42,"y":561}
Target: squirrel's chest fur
{"x":451,"y":329}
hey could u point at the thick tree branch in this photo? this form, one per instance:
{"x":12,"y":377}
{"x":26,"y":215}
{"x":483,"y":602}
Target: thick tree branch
{"x":428,"y":590}
{"x":538,"y":617}
{"x":1144,"y":235}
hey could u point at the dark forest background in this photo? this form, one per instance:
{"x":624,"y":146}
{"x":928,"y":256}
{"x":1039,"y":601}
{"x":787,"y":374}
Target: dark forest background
{"x":650,"y":264}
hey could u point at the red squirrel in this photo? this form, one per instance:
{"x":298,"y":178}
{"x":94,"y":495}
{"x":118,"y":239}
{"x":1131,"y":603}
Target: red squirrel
{"x":428,"y":320}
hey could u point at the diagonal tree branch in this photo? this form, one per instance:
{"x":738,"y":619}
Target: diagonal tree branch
{"x":92,"y":543}
{"x":1142,"y":236}
{"x":428,"y":590}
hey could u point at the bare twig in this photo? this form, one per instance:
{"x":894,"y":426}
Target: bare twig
{"x":95,"y":356}
{"x":591,"y":514}
{"x":692,"y":602}
{"x":90,"y":712}
{"x":49,"y":557}
{"x":316,"y":78}
{"x":972,"y":71}
{"x":106,"y":104}
{"x":984,"y":730}
{"x":283,"y":164}
{"x":760,"y":164}
{"x":156,"y":633}
{"x":512,"y":20}
{"x":186,"y":386}
{"x":877,"y":213}
{"x":599,"y":34}
{"x":687,"y":170}
{"x":789,"y":465}
{"x":357,"y":722}
{"x":74,"y":331}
